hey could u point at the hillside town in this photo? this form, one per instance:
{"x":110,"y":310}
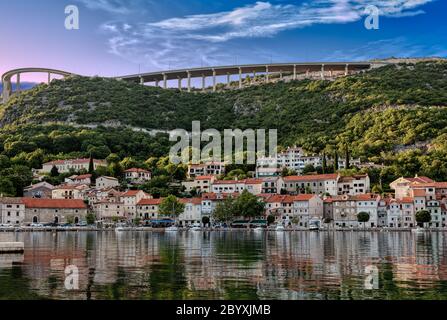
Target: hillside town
{"x":297,"y":201}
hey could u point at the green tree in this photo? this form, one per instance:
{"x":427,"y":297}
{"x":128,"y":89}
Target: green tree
{"x":270,"y":219}
{"x":116,"y":170}
{"x":91,"y":166}
{"x":7,"y":187}
{"x":308,"y":168}
{"x":248,"y":205}
{"x":363,"y":217}
{"x":90,"y":218}
{"x":336,"y":161}
{"x":422,"y":217}
{"x":225,"y":210}
{"x":205,"y":220}
{"x":112,"y":158}
{"x":171,"y":206}
{"x":347,"y":160}
{"x":324,"y":163}
{"x":54,"y":171}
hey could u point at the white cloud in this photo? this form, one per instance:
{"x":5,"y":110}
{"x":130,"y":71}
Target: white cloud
{"x":181,"y":40}
{"x":399,"y":47}
{"x":111,"y":6}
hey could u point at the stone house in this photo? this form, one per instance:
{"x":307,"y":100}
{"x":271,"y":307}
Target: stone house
{"x":54,"y":210}
{"x":41,"y":190}
{"x":12,"y":211}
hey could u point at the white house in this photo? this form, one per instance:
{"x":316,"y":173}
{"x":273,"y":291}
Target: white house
{"x":254,"y":186}
{"x":206,"y":169}
{"x":137,"y":175}
{"x":354,"y":185}
{"x":106,"y":182}
{"x":192,"y":212}
{"x":307,"y":207}
{"x":130,"y":199}
{"x":316,"y":184}
{"x":368,"y":203}
{"x":201,"y":183}
{"x":402,"y":185}
{"x":108,"y":210}
{"x":79,"y":179}
{"x":65,"y":166}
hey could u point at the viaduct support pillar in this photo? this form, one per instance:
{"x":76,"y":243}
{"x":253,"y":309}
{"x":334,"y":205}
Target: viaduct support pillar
{"x":6,"y":90}
{"x":165,"y":81}
{"x":156,"y":83}
{"x":189,"y":81}
{"x":179,"y":83}
{"x":228,"y":80}
{"x":18,"y":82}
{"x":347,"y":69}
{"x":49,"y":77}
{"x":267,"y":74}
{"x":294,"y":72}
{"x":322,"y":72}
{"x":203,"y":82}
{"x":214,"y":80}
{"x":240,"y":78}
{"x":141,"y":81}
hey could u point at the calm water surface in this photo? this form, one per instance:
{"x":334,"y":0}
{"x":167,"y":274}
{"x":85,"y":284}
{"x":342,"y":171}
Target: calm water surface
{"x":226,"y":265}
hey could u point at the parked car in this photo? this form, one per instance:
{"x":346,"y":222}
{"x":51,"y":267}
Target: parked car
{"x":82,"y":224}
{"x":6,"y":225}
{"x":36,"y":225}
{"x":66,"y":225}
{"x":51,"y":224}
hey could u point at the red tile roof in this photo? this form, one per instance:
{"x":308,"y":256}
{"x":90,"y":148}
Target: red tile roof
{"x":82,"y":176}
{"x":440,"y":185}
{"x":149,"y":202}
{"x":11,"y":200}
{"x":191,"y":200}
{"x":54,"y":203}
{"x":407,"y":200}
{"x":130,"y":193}
{"x":74,"y":161}
{"x":332,"y":176}
{"x":137,"y":170}
{"x":365,"y":197}
{"x":226,"y":182}
{"x":220,"y":196}
{"x":280,"y":199}
{"x":303,"y":197}
{"x":253,"y":181}
{"x":418,"y":192}
{"x":421,"y":179}
{"x":204,"y":177}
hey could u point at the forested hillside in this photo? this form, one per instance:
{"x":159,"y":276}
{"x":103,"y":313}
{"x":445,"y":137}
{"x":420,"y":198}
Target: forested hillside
{"x":395,"y":116}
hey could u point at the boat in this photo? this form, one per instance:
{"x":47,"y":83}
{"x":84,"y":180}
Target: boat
{"x":196,"y":228}
{"x":314,"y":227}
{"x":259,"y":229}
{"x":280,"y":227}
{"x":120,"y":227}
{"x":171,"y":229}
{"x":418,"y":229}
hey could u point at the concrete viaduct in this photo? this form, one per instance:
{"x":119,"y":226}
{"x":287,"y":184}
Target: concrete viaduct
{"x":295,"y":70}
{"x":6,"y":79}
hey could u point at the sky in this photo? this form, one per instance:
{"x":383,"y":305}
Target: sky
{"x":120,"y":37}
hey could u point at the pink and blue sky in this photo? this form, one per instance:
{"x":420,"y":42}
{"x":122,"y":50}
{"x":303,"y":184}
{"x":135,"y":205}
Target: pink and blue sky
{"x":118,"y":37}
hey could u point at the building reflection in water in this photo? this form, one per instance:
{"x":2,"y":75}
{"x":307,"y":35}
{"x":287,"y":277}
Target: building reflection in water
{"x":228,"y":265}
